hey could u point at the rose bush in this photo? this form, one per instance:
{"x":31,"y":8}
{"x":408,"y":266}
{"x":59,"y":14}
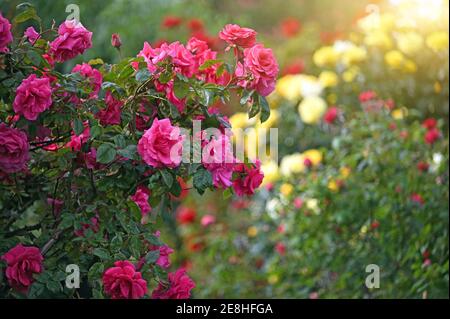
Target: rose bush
{"x":92,"y":160}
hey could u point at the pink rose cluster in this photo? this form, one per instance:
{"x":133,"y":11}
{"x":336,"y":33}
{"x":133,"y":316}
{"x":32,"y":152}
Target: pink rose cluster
{"x":180,"y":286}
{"x":258,"y":69}
{"x":22,"y":263}
{"x":14,"y":149}
{"x":93,"y":77}
{"x":73,"y":39}
{"x":33,"y":96}
{"x":161,"y":145}
{"x":5,"y":34}
{"x":111,"y":114}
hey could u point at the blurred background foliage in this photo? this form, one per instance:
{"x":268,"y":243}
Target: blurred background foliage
{"x":310,"y":232}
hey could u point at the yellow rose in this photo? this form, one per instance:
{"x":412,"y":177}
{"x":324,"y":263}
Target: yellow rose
{"x":315,"y":156}
{"x":271,"y":172}
{"x":273,"y":279}
{"x":378,"y":39}
{"x":313,"y":205}
{"x":410,"y":43}
{"x":394,"y":59}
{"x":399,"y":114}
{"x":288,"y":87}
{"x":311,"y":109}
{"x":437,"y":87}
{"x":292,"y":164}
{"x":438,"y":41}
{"x":286,"y":189}
{"x":328,"y":78}
{"x":326,"y":56}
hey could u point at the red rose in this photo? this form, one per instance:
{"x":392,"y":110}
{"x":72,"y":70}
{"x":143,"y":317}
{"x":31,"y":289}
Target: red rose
{"x":423,"y":166}
{"x":123,"y":281}
{"x":23,"y":262}
{"x":331,"y":115}
{"x":290,"y":27}
{"x":171,"y":22}
{"x":432,"y":136}
{"x":116,"y":41}
{"x":186,"y":215}
{"x":429,"y":123}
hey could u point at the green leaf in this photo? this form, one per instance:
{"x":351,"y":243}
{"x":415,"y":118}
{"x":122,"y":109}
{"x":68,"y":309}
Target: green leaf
{"x":246,"y":95}
{"x":175,"y":190}
{"x":120,"y":142}
{"x":165,"y":77}
{"x":102,"y":253}
{"x":167,"y":177}
{"x":106,"y":153}
{"x":265,"y":109}
{"x":152,"y":256}
{"x":152,"y":239}
{"x":206,"y":97}
{"x":202,"y":180}
{"x":143,"y":75}
{"x":227,"y":193}
{"x":208,"y":63}
{"x":135,"y":246}
{"x":36,"y":290}
{"x":54,"y":286}
{"x":29,"y":13}
{"x":254,"y":110}
{"x":128,"y":152}
{"x":95,"y":271}
{"x":181,"y":89}
{"x":34,"y":57}
{"x":78,"y":127}
{"x":96,"y":131}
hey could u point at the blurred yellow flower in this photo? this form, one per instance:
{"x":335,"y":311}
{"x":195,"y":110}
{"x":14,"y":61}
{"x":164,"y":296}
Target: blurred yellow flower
{"x":410,"y":66}
{"x":328,"y":78}
{"x":313,"y":205}
{"x":286,"y":189}
{"x":410,"y":42}
{"x":350,"y":75}
{"x":241,"y":120}
{"x":271,"y":172}
{"x":378,"y":39}
{"x":311,"y":109}
{"x":394,"y":59}
{"x":326,"y":56}
{"x":385,"y":22}
{"x":271,"y":121}
{"x":438,"y":41}
{"x":333,"y":186}
{"x":292,"y":164}
{"x":345,"y":172}
{"x":354,"y":55}
{"x":252,"y":231}
{"x":437,"y":87}
{"x":399,"y":114}
{"x":289,"y":87}
{"x":315,"y":156}
{"x":273,"y":279}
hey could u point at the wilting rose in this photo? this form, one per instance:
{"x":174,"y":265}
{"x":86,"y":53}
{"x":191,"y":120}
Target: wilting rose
{"x":14,"y":148}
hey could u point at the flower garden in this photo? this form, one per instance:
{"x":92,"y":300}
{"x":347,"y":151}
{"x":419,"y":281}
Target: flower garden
{"x":241,"y":152}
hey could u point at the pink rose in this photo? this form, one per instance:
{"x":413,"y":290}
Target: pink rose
{"x":249,"y":179}
{"x":164,"y":253}
{"x":111,"y":114}
{"x":236,"y":35}
{"x":13,"y":149}
{"x":77,"y":141}
{"x":161,"y":145}
{"x":93,"y":76}
{"x":180,"y":286}
{"x":218,"y":159}
{"x":31,"y":35}
{"x":73,"y":40}
{"x":33,"y":96}
{"x":141,"y":199}
{"x":116,"y":41}
{"x":123,"y":281}
{"x":23,"y":262}
{"x":5,"y":34}
{"x":208,"y":220}
{"x":259,"y":71}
